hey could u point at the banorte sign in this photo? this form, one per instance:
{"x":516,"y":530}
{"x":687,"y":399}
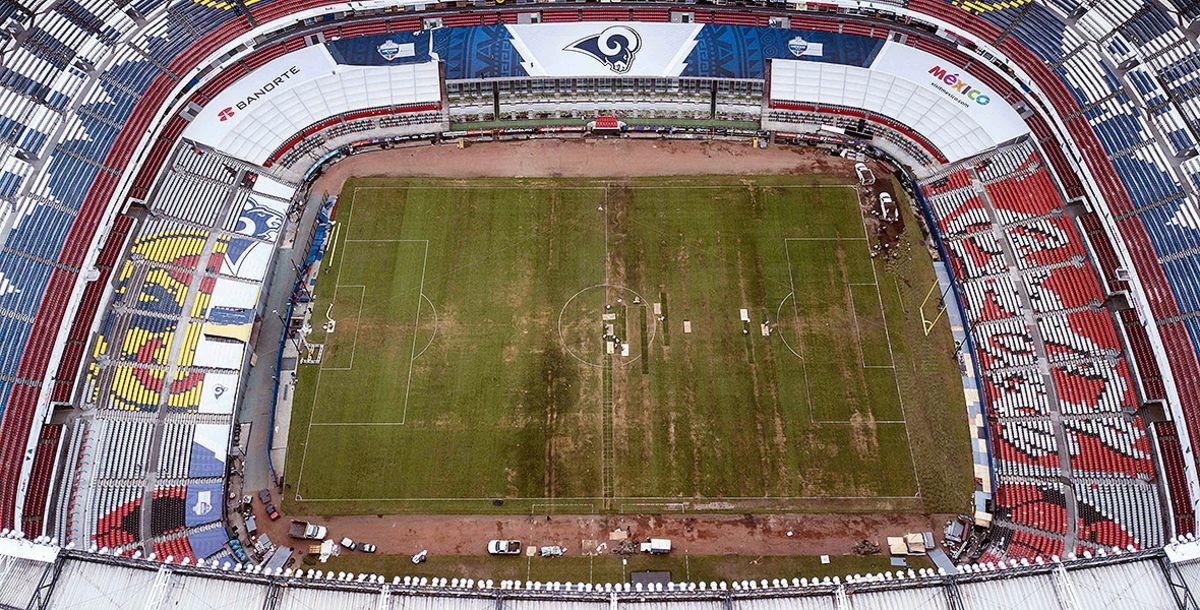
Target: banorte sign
{"x":960,"y":86}
{"x":227,"y":112}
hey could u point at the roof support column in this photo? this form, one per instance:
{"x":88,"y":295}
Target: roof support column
{"x":1178,"y":586}
{"x":1068,"y":598}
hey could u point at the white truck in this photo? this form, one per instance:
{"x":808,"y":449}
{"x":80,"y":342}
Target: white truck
{"x":656,"y":546}
{"x":306,"y":531}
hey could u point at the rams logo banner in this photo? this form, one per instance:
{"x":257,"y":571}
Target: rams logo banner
{"x":615,"y":47}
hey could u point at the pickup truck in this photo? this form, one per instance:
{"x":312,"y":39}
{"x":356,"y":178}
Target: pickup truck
{"x":306,"y":531}
{"x":504,"y":547}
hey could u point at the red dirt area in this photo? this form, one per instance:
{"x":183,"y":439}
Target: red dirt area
{"x":594,"y":158}
{"x":816,"y":534}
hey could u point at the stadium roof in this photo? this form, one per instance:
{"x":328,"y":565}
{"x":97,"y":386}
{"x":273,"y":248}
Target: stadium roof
{"x":37,"y":576}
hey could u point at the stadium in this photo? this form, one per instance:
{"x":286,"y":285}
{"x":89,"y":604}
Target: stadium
{"x":853,"y":304}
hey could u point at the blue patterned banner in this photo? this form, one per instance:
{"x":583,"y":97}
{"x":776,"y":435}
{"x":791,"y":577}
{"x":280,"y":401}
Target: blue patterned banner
{"x":605,"y":49}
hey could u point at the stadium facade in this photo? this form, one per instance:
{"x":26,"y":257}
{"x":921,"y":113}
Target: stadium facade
{"x":47,"y":577}
{"x":1052,"y":147}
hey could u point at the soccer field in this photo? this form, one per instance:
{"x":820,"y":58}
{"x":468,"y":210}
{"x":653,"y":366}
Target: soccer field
{"x":577,"y":346}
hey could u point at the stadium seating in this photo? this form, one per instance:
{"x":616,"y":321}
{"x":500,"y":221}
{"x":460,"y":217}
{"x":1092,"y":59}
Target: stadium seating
{"x":1111,"y":447}
{"x":128,"y":446}
{"x":1088,"y":395}
{"x":1017,"y":393}
{"x":117,"y":513}
{"x":41,"y":478}
{"x":167,"y":513}
{"x":1118,"y":514}
{"x":77,"y":337}
{"x":1093,"y":386}
{"x":1171,"y":453}
{"x":1062,"y":288}
{"x":161,"y":297}
{"x":992,"y":298}
{"x":1040,"y":506}
{"x":1137,"y":182}
{"x":176,"y":548}
{"x":1012,"y":543}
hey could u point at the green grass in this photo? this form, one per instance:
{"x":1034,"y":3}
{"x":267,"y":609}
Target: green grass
{"x":467,"y":363}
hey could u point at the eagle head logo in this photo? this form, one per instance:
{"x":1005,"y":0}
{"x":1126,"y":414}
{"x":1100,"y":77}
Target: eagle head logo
{"x":615,"y":47}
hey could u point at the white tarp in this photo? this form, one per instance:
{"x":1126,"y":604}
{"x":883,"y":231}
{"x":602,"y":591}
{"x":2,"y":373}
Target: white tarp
{"x":219,"y":393}
{"x":212,"y":437}
{"x":219,"y":354}
{"x":274,"y":188}
{"x":247,"y":259}
{"x":259,"y":112}
{"x":904,"y":84}
{"x":234,"y":294}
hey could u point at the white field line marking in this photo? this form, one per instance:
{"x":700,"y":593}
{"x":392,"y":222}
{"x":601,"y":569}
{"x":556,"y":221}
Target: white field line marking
{"x":563,"y":342}
{"x":413,"y":356}
{"x":563,"y":311}
{"x":337,"y":227}
{"x":640,"y":507}
{"x":476,"y":185}
{"x":605,"y":187}
{"x":652,"y":499}
{"x":824,"y":239}
{"x":783,"y":335}
{"x":891,"y":354}
{"x":862,"y":354}
{"x":317,"y":387}
{"x":553,"y":506}
{"x":850,"y":295}
{"x":416,"y":324}
{"x":358,"y":423}
{"x":883,"y":314}
{"x":357,"y":325}
{"x":606,"y":237}
{"x":862,"y":357}
{"x":796,"y":320}
{"x":400,"y":423}
{"x":606,"y":406}
{"x":435,"y":325}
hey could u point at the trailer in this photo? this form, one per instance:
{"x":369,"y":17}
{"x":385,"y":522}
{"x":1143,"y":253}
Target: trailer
{"x":656,"y":546}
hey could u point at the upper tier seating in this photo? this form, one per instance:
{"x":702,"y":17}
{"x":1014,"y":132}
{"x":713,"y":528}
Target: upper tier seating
{"x":179,"y":264}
